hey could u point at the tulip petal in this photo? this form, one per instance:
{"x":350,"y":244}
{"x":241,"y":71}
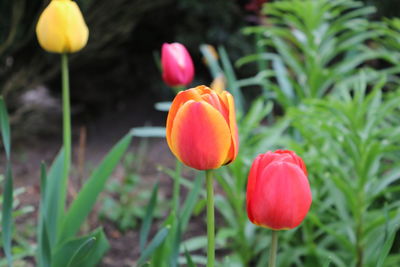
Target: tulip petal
{"x":180,"y":99}
{"x":228,"y":100}
{"x":200,"y":136}
{"x":282,"y":196}
{"x":251,"y":185}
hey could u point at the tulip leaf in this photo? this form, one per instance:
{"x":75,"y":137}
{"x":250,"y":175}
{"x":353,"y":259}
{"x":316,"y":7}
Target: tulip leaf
{"x":8,"y":185}
{"x":86,"y":198}
{"x":44,"y":248}
{"x":83,"y":251}
{"x":52,"y":197}
{"x":5,"y":128}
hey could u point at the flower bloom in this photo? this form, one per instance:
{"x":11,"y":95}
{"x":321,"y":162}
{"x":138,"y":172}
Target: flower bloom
{"x":61,"y":27}
{"x":201,"y":128}
{"x":177,"y":65}
{"x":278,"y":192}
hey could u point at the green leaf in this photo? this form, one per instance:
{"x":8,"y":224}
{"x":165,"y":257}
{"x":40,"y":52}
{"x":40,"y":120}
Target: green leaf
{"x":84,"y":251}
{"x":189,"y":261}
{"x":231,"y":78}
{"x":211,"y":60}
{"x":52,"y":197}
{"x":8,"y":185}
{"x":154,"y":244}
{"x":190,"y":202}
{"x":44,"y":248}
{"x":149,"y":132}
{"x":7,"y":214}
{"x":147,"y":221}
{"x":85,"y":200}
{"x":5,"y":128}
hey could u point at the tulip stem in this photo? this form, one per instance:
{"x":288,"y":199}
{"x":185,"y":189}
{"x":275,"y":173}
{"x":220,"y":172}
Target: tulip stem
{"x":273,"y":249}
{"x":66,"y":123}
{"x":210,"y":220}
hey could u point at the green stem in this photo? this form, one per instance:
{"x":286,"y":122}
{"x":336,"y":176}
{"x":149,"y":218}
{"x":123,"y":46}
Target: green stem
{"x":210,"y":220}
{"x":66,"y":123}
{"x":177,"y":187}
{"x":273,"y":249}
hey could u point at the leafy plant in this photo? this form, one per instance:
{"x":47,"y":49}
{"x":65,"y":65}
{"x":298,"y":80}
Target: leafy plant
{"x":125,"y":199}
{"x":315,"y":46}
{"x":350,"y":142}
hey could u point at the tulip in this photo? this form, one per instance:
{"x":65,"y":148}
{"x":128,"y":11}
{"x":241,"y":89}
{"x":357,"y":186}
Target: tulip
{"x":201,"y":128}
{"x":278,"y":192}
{"x":177,"y":65}
{"x":61,"y":27}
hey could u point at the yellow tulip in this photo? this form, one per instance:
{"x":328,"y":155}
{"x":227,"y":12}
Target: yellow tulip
{"x":61,"y":27}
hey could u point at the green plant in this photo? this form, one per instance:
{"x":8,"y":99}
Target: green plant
{"x":125,"y":199}
{"x":351,"y":143}
{"x":315,"y":46}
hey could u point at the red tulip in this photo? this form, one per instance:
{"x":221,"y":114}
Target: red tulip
{"x":278,"y":192}
{"x":201,"y":128}
{"x":177,"y":65}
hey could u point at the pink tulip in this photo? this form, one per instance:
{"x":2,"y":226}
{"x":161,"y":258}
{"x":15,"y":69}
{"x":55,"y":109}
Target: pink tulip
{"x":177,"y":65}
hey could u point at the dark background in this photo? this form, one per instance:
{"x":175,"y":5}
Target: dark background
{"x":117,"y":72}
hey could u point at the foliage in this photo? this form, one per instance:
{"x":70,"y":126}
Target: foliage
{"x":57,"y":244}
{"x":315,"y":46}
{"x":125,"y":199}
{"x":350,"y":142}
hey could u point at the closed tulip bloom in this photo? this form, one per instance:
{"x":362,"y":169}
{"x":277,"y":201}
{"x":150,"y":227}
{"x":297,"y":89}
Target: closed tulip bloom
{"x":61,"y":27}
{"x":201,"y":128}
{"x":177,"y":65}
{"x":278,"y":192}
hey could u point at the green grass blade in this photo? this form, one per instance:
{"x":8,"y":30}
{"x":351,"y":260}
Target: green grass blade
{"x":85,"y":200}
{"x":154,"y":244}
{"x":44,"y":248}
{"x":52,"y":197}
{"x":147,"y":221}
{"x":189,"y":261}
{"x":8,"y":185}
{"x":190,"y":202}
{"x":231,"y":78}
{"x":7,"y":214}
{"x":5,"y":128}
{"x":212,"y":61}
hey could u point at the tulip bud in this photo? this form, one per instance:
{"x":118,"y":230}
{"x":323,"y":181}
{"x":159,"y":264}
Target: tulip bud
{"x":61,"y":27}
{"x":177,"y":65}
{"x":278,"y":192}
{"x":201,"y":128}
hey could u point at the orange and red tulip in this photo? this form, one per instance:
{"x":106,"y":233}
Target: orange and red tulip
{"x":278,"y":191}
{"x":177,"y":65}
{"x":201,"y":128}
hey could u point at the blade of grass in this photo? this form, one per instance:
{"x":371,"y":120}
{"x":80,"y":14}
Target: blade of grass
{"x":154,"y":244}
{"x":8,"y":185}
{"x":148,"y":219}
{"x":44,"y":248}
